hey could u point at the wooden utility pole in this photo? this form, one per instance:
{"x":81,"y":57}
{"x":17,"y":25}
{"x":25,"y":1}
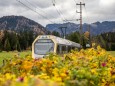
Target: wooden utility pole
{"x":81,"y":4}
{"x":89,"y":29}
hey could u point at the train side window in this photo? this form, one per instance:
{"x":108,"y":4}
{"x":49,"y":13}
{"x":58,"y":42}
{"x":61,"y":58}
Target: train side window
{"x":73,"y":48}
{"x":64,"y":49}
{"x":69,"y":48}
{"x":59,"y":49}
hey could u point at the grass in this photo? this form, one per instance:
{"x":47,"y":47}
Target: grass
{"x":8,"y":55}
{"x":112,"y":53}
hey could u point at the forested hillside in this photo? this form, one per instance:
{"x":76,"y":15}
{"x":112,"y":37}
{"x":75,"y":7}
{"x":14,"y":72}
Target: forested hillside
{"x":20,"y":23}
{"x":106,"y":40}
{"x":96,"y":28}
{"x":10,"y":40}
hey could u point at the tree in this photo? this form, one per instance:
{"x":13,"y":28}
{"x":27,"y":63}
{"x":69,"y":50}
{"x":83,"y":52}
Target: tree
{"x":1,"y":46}
{"x":74,"y":37}
{"x":84,"y":42}
{"x":55,"y":33}
{"x":13,"y":40}
{"x":87,"y":34}
{"x":18,"y":46}
{"x":7,"y":46}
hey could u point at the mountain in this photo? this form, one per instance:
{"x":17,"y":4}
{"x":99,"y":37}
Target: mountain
{"x":71,"y":27}
{"x":95,"y":28}
{"x":102,"y":27}
{"x":20,"y":23}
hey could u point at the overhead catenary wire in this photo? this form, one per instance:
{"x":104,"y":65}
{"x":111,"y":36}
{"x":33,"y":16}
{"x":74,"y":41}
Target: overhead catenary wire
{"x":74,"y":18}
{"x":37,"y":8}
{"x":34,"y":11}
{"x":75,"y":5}
{"x":75,"y":1}
{"x":58,"y":11}
{"x":86,"y":15}
{"x":85,"y":11}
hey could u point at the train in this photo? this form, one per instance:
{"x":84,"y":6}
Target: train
{"x":45,"y":44}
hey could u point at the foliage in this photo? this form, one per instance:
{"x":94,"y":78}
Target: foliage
{"x":7,"y":46}
{"x":106,"y":40}
{"x":76,"y":37}
{"x":56,"y":33}
{"x":16,"y":41}
{"x":91,"y":67}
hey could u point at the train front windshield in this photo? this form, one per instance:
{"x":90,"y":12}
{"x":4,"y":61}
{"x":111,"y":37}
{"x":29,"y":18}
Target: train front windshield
{"x":43,"y":46}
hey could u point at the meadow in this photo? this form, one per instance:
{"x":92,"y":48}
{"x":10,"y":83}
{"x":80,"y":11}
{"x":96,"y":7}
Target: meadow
{"x":11,"y":54}
{"x":8,"y":55}
{"x":90,"y":67}
{"x":112,"y":53}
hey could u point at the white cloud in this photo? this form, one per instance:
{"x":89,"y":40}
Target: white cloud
{"x":107,"y":2}
{"x":96,"y":10}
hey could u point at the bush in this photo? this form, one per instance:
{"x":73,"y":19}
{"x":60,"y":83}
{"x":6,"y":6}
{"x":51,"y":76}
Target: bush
{"x":90,"y":67}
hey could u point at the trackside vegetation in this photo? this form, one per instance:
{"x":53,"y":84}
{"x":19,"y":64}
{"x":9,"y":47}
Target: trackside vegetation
{"x":90,"y":67}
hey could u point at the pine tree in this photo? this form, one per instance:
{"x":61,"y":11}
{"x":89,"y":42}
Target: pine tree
{"x":55,"y":33}
{"x":1,"y":46}
{"x":74,"y":37}
{"x":18,"y":46}
{"x":7,"y":46}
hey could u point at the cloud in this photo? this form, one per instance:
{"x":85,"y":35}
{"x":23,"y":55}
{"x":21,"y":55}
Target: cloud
{"x":107,"y":3}
{"x":94,"y":10}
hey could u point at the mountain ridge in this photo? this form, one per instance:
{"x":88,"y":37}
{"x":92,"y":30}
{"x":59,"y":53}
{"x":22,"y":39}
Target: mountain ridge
{"x":20,"y":23}
{"x":95,"y":28}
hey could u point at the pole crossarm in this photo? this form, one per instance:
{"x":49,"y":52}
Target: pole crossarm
{"x":72,"y":20}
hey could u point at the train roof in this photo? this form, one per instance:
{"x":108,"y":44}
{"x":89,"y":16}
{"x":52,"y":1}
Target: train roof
{"x":60,"y":40}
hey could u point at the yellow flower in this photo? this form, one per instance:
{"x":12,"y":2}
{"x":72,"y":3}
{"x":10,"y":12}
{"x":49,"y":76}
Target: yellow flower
{"x":43,"y":76}
{"x":57,"y":79}
{"x":8,"y":76}
{"x":93,"y":71}
{"x":112,"y":84}
{"x":63,"y":75}
{"x":43,"y":69}
{"x":103,"y":80}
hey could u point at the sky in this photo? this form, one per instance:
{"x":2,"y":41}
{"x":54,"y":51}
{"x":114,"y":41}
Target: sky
{"x":55,"y":11}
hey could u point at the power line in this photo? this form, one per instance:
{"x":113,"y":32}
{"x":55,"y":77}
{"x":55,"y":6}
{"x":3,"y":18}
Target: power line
{"x":58,"y":11}
{"x":73,"y":17}
{"x":75,"y":1}
{"x":34,"y":11}
{"x":85,"y":11}
{"x":36,"y":7}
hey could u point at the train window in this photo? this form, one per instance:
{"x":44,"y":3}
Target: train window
{"x":64,"y":49}
{"x":44,"y":40}
{"x":59,"y":49}
{"x":73,"y":48}
{"x":69,"y":48}
{"x":43,"y":46}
